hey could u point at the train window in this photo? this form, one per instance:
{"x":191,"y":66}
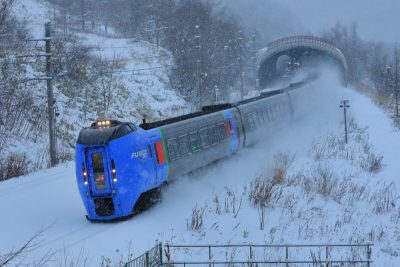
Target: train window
{"x":260,"y":117}
{"x":98,"y":171}
{"x":213,"y":135}
{"x":183,"y":144}
{"x":194,"y":141}
{"x":271,"y":113}
{"x":265,"y":114}
{"x":132,"y":126}
{"x":250,"y":120}
{"x":203,"y":134}
{"x":121,"y":131}
{"x":276,"y":107}
{"x":172,"y":146}
{"x":220,"y":132}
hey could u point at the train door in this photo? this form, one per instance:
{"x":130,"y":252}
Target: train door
{"x":159,"y":158}
{"x":99,"y":173}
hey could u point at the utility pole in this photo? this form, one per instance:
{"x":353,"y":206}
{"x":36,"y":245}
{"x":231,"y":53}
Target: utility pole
{"x":396,"y":81}
{"x":240,"y":44}
{"x":345,"y":104}
{"x":50,"y":97}
{"x":83,"y":14}
{"x":198,"y":63}
{"x":254,"y":62}
{"x":49,"y":80}
{"x":216,"y":90}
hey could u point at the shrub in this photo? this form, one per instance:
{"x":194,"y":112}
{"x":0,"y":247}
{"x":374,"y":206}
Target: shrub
{"x":196,"y":221}
{"x":15,"y":164}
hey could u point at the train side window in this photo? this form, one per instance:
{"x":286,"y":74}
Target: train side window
{"x":194,"y":141}
{"x":273,"y":112}
{"x":266,"y":114}
{"x":256,"y":118}
{"x":172,"y":146}
{"x":250,"y":120}
{"x":269,"y":111}
{"x":183,"y":144}
{"x":220,"y":132}
{"x":212,"y":131}
{"x":203,"y":134}
{"x":260,"y":118}
{"x":277,"y":110}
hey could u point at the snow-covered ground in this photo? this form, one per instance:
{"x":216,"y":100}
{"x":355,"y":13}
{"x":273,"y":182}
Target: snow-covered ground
{"x":328,"y":195}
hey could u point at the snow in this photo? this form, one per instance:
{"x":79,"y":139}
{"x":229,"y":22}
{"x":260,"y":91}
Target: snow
{"x":35,"y":14}
{"x":49,"y":198}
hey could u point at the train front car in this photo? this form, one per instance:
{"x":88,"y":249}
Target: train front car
{"x":114,"y":167}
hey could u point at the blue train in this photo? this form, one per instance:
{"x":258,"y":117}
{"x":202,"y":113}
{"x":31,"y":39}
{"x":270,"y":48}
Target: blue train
{"x":119,"y":164}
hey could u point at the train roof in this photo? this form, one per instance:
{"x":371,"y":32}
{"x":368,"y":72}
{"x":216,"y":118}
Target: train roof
{"x":207,"y":110}
{"x":219,"y":107}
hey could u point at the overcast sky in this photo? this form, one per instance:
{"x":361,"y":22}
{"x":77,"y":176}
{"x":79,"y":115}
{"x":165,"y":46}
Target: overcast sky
{"x":376,"y":19}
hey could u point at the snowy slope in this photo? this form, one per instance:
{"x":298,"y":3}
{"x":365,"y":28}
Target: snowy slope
{"x":140,"y":87}
{"x":49,"y":198}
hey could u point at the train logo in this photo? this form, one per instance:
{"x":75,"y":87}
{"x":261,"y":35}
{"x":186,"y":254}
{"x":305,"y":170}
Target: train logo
{"x":140,"y":155}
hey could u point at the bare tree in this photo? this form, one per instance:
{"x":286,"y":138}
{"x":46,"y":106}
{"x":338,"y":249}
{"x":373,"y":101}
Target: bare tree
{"x":28,"y":247}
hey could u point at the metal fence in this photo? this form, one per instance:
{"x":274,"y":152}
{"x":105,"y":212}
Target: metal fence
{"x":271,"y":255}
{"x":321,"y":255}
{"x":151,"y":258}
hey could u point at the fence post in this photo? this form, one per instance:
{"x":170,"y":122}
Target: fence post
{"x":147,"y":264}
{"x":326,"y":257}
{"x":369,"y":255}
{"x":209,"y":256}
{"x":168,"y":255}
{"x":251,"y":256}
{"x":287,"y":256}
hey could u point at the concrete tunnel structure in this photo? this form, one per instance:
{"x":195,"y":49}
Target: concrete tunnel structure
{"x":310,"y":49}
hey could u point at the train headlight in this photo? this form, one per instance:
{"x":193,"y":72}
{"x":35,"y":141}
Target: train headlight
{"x":84,"y":174}
{"x":113,"y":171}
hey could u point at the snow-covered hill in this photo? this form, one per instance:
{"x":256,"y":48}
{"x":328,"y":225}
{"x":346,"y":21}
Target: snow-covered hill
{"x":134,"y":82}
{"x":328,"y":193}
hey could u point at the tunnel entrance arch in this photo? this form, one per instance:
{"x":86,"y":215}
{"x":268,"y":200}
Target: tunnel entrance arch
{"x":305,"y":50}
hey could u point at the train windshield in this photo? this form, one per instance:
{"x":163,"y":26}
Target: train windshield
{"x":98,"y":171}
{"x":102,"y":135}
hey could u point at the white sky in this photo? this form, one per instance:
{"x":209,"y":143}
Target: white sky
{"x":376,"y":19}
